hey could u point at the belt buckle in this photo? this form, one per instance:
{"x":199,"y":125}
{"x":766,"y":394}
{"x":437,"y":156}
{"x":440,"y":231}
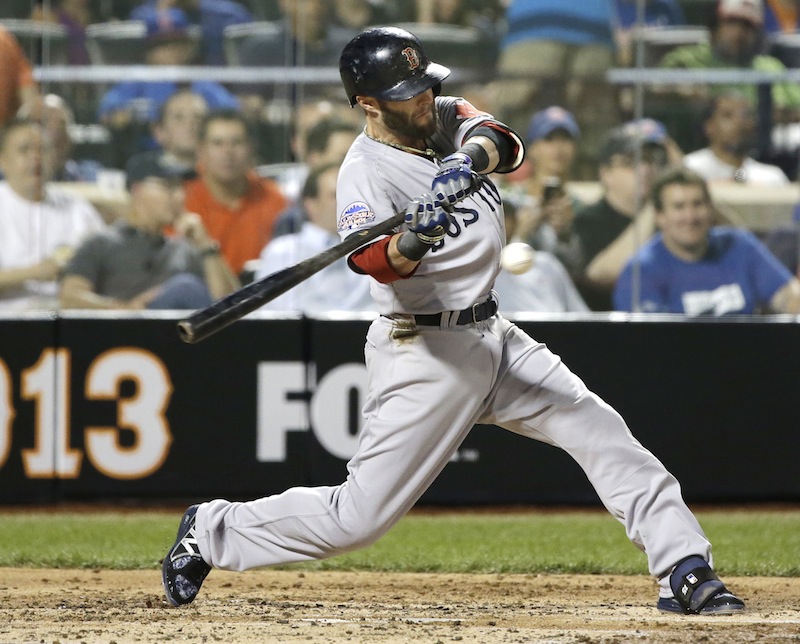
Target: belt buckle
{"x":474,"y":307}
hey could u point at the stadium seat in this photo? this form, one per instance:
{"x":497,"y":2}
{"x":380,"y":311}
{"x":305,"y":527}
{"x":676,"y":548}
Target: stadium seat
{"x":15,"y":9}
{"x":786,"y":48}
{"x":43,"y":43}
{"x":271,"y":33}
{"x":658,"y":41}
{"x":116,"y":42}
{"x":122,"y":42}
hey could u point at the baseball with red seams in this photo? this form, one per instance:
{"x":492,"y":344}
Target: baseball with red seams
{"x":517,"y":258}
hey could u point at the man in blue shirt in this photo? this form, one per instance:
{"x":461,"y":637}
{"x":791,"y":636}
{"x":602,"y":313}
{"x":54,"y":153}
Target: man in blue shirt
{"x":693,"y":268}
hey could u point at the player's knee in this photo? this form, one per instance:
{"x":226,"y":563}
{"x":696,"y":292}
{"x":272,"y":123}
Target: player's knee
{"x":355,"y":535}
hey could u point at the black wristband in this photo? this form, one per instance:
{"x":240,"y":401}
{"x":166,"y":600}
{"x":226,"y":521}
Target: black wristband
{"x":412,"y":247}
{"x":479,"y":156}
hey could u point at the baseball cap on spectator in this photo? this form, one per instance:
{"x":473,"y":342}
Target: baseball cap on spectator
{"x":646,"y":137}
{"x":548,"y":120}
{"x":751,"y":11}
{"x":148,"y":165}
{"x":165,"y":25}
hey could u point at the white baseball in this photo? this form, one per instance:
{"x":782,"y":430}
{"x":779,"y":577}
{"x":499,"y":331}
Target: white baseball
{"x":517,"y":258}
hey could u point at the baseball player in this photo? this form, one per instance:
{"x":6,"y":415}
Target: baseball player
{"x":439,"y":358}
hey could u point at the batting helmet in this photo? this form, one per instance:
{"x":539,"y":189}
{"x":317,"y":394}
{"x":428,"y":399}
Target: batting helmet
{"x":387,"y":63}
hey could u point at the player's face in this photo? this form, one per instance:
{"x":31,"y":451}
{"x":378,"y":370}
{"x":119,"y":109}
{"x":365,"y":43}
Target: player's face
{"x":414,"y":119}
{"x":685,"y":219}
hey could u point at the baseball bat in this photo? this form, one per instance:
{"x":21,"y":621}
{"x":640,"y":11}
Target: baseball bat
{"x":205,"y":322}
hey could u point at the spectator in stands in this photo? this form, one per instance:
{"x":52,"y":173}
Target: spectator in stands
{"x":75,"y":16}
{"x":238,"y":208}
{"x":130,"y":106}
{"x":737,"y":36}
{"x":730,"y":127}
{"x":611,"y":229}
{"x":335,"y":288}
{"x":56,"y":118}
{"x":657,"y":13}
{"x":39,"y":224}
{"x":694,"y":268}
{"x":546,"y":287}
{"x":326,"y":142}
{"x":177,"y":130}
{"x":211,"y":15}
{"x":547,"y":212}
{"x":134,"y":265}
{"x":17,"y":87}
{"x":558,"y":53}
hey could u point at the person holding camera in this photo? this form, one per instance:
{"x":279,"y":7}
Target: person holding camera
{"x":547,"y":211}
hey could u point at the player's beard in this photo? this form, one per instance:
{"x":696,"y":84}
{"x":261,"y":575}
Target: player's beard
{"x":403,"y":124}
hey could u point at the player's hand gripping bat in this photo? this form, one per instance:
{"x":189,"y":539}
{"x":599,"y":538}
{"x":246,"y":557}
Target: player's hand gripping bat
{"x":205,"y":322}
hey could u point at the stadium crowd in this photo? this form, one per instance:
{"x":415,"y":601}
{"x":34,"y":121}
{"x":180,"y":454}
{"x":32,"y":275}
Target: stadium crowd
{"x":247,"y":160}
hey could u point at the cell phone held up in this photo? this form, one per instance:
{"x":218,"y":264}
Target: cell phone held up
{"x":552,"y":189}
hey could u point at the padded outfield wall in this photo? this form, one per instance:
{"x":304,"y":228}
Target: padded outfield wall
{"x":111,"y":408}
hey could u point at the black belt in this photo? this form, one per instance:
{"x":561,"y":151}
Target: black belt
{"x":476,"y":313}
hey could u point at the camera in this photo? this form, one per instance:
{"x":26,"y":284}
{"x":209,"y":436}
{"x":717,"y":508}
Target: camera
{"x":552,"y":189}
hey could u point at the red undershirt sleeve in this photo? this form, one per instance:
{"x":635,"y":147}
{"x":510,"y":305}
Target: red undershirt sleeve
{"x":374,"y":260}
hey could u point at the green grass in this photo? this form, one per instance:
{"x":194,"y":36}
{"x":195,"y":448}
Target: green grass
{"x":745,"y":543}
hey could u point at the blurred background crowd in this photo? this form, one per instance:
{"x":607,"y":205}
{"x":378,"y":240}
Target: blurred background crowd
{"x":161,"y":153}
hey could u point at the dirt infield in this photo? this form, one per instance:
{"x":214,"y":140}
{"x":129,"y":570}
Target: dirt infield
{"x":264,"y":606}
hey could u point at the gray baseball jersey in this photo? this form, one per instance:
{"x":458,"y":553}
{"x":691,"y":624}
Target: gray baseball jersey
{"x":376,"y":181}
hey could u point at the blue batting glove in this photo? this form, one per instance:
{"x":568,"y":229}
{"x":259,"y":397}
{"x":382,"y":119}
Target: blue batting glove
{"x":455,"y":179}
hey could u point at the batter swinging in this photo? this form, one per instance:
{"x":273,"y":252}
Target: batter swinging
{"x":439,"y":358}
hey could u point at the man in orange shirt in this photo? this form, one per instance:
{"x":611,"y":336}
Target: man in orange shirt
{"x":237,"y":207}
{"x":17,"y":86}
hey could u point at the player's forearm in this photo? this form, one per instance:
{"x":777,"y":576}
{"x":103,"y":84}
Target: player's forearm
{"x":77,"y":293}
{"x":220,"y":280}
{"x":787,"y":299}
{"x":483,"y":152}
{"x":15,"y":277}
{"x":399,"y":262}
{"x":606,"y":267}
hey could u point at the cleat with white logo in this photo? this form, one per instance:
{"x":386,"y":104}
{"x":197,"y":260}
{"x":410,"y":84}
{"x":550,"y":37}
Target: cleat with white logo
{"x":698,"y":591}
{"x":184,"y":569}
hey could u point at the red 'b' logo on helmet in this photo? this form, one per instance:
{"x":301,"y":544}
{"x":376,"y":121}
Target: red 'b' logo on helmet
{"x":412,"y":57}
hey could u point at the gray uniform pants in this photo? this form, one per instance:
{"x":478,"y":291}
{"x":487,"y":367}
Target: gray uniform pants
{"x":425,"y":393}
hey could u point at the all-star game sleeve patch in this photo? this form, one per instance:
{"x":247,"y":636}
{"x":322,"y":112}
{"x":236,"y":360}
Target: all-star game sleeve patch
{"x":356,"y":215}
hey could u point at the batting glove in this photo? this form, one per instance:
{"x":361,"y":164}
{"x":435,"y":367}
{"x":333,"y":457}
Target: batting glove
{"x":455,"y":179}
{"x":426,"y":217}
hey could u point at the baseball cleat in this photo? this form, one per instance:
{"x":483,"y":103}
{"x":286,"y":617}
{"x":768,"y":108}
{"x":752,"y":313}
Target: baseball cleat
{"x":698,"y":591}
{"x":184,"y":569}
{"x":723,"y":603}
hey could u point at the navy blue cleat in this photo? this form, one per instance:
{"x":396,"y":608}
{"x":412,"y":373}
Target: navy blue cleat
{"x":183,"y":569}
{"x":698,"y":591}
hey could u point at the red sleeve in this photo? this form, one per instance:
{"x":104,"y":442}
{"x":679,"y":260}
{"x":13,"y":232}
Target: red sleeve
{"x":374,"y":260}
